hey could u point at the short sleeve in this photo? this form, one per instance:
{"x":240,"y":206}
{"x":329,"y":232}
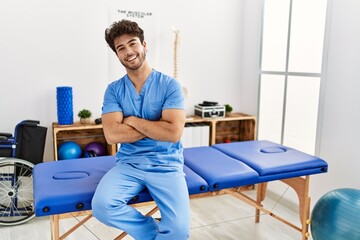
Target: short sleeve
{"x":110,"y":103}
{"x":174,"y":96}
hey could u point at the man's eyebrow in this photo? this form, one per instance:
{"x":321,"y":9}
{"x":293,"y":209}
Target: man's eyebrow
{"x":132,"y":40}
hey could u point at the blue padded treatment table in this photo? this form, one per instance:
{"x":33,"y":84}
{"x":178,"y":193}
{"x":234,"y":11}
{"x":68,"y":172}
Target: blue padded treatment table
{"x":67,"y":186}
{"x":273,"y":161}
{"x":218,"y":169}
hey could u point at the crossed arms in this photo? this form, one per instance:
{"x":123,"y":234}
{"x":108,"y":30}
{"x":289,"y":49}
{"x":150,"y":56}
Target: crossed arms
{"x":118,"y":129}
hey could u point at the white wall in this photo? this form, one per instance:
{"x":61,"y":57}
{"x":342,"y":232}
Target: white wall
{"x":339,"y":125}
{"x":45,"y":44}
{"x":50,"y":43}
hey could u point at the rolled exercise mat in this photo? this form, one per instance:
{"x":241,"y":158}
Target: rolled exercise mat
{"x":64,"y":101}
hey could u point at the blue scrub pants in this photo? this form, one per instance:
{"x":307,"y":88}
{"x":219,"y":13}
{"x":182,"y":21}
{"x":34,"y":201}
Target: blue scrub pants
{"x":166,"y":185}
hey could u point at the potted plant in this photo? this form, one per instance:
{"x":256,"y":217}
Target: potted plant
{"x":228,"y":109}
{"x":84,"y":116}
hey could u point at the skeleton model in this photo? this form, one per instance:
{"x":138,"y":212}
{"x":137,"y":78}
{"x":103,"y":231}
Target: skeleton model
{"x":177,"y":58}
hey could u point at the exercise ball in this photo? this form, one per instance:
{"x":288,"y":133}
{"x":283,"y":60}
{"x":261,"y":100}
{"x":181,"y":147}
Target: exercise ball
{"x":69,"y":150}
{"x":336,"y":216}
{"x":94,"y":149}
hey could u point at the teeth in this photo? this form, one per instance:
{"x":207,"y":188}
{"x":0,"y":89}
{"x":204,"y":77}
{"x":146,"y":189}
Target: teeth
{"x":131,"y":58}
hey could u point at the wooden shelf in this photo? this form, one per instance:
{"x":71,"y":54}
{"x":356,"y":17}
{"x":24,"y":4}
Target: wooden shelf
{"x":81,"y":134}
{"x":234,"y":127}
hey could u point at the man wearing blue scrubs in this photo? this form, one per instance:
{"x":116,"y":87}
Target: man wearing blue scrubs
{"x":144,"y":111}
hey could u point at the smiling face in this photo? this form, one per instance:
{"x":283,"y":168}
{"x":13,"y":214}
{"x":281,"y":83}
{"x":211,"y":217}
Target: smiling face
{"x":130,"y":51}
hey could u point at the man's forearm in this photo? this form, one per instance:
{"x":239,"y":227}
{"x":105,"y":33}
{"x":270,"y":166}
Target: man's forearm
{"x":122,"y":133}
{"x":159,"y":130}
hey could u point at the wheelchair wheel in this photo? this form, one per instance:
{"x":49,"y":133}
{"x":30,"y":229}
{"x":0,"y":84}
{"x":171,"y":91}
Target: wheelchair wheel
{"x":16,"y":191}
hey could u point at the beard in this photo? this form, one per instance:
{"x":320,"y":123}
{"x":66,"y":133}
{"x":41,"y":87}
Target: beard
{"x":140,"y":58}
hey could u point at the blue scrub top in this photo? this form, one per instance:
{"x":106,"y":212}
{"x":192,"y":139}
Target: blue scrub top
{"x":158,"y":93}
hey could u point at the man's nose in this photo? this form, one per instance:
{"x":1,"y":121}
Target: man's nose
{"x":128,"y":52}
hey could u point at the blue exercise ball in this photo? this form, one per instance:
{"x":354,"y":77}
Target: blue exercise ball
{"x":69,"y":150}
{"x":336,"y":215}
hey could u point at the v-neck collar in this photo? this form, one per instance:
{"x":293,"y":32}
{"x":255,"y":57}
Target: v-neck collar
{"x":132,"y":88}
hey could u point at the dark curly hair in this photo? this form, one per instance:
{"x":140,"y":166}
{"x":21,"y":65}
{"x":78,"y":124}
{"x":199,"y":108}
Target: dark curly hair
{"x":122,"y":27}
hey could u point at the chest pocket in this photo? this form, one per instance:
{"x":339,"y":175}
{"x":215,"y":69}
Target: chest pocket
{"x":131,"y":108}
{"x":153,"y":110}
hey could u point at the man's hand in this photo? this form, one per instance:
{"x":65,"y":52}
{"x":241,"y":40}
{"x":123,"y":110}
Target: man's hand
{"x":127,"y":120}
{"x":116,"y":131}
{"x":169,"y":128}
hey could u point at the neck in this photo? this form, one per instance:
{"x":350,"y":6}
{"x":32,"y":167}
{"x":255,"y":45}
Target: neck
{"x":139,"y":76}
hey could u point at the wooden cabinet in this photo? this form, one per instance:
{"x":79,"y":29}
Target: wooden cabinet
{"x":232,"y":128}
{"x":81,"y":134}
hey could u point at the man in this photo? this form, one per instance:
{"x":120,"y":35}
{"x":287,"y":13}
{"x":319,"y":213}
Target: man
{"x":144,"y":111}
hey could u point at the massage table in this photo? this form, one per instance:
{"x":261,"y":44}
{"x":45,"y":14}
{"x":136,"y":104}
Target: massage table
{"x":66,"y":187}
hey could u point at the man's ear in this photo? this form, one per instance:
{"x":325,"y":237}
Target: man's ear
{"x":144,"y":44}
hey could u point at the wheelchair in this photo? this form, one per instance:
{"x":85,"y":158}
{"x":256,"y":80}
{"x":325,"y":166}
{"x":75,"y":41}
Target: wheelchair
{"x":18,"y":155}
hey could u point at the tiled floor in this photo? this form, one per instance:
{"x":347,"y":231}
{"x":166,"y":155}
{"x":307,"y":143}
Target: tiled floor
{"x":221,"y":217}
